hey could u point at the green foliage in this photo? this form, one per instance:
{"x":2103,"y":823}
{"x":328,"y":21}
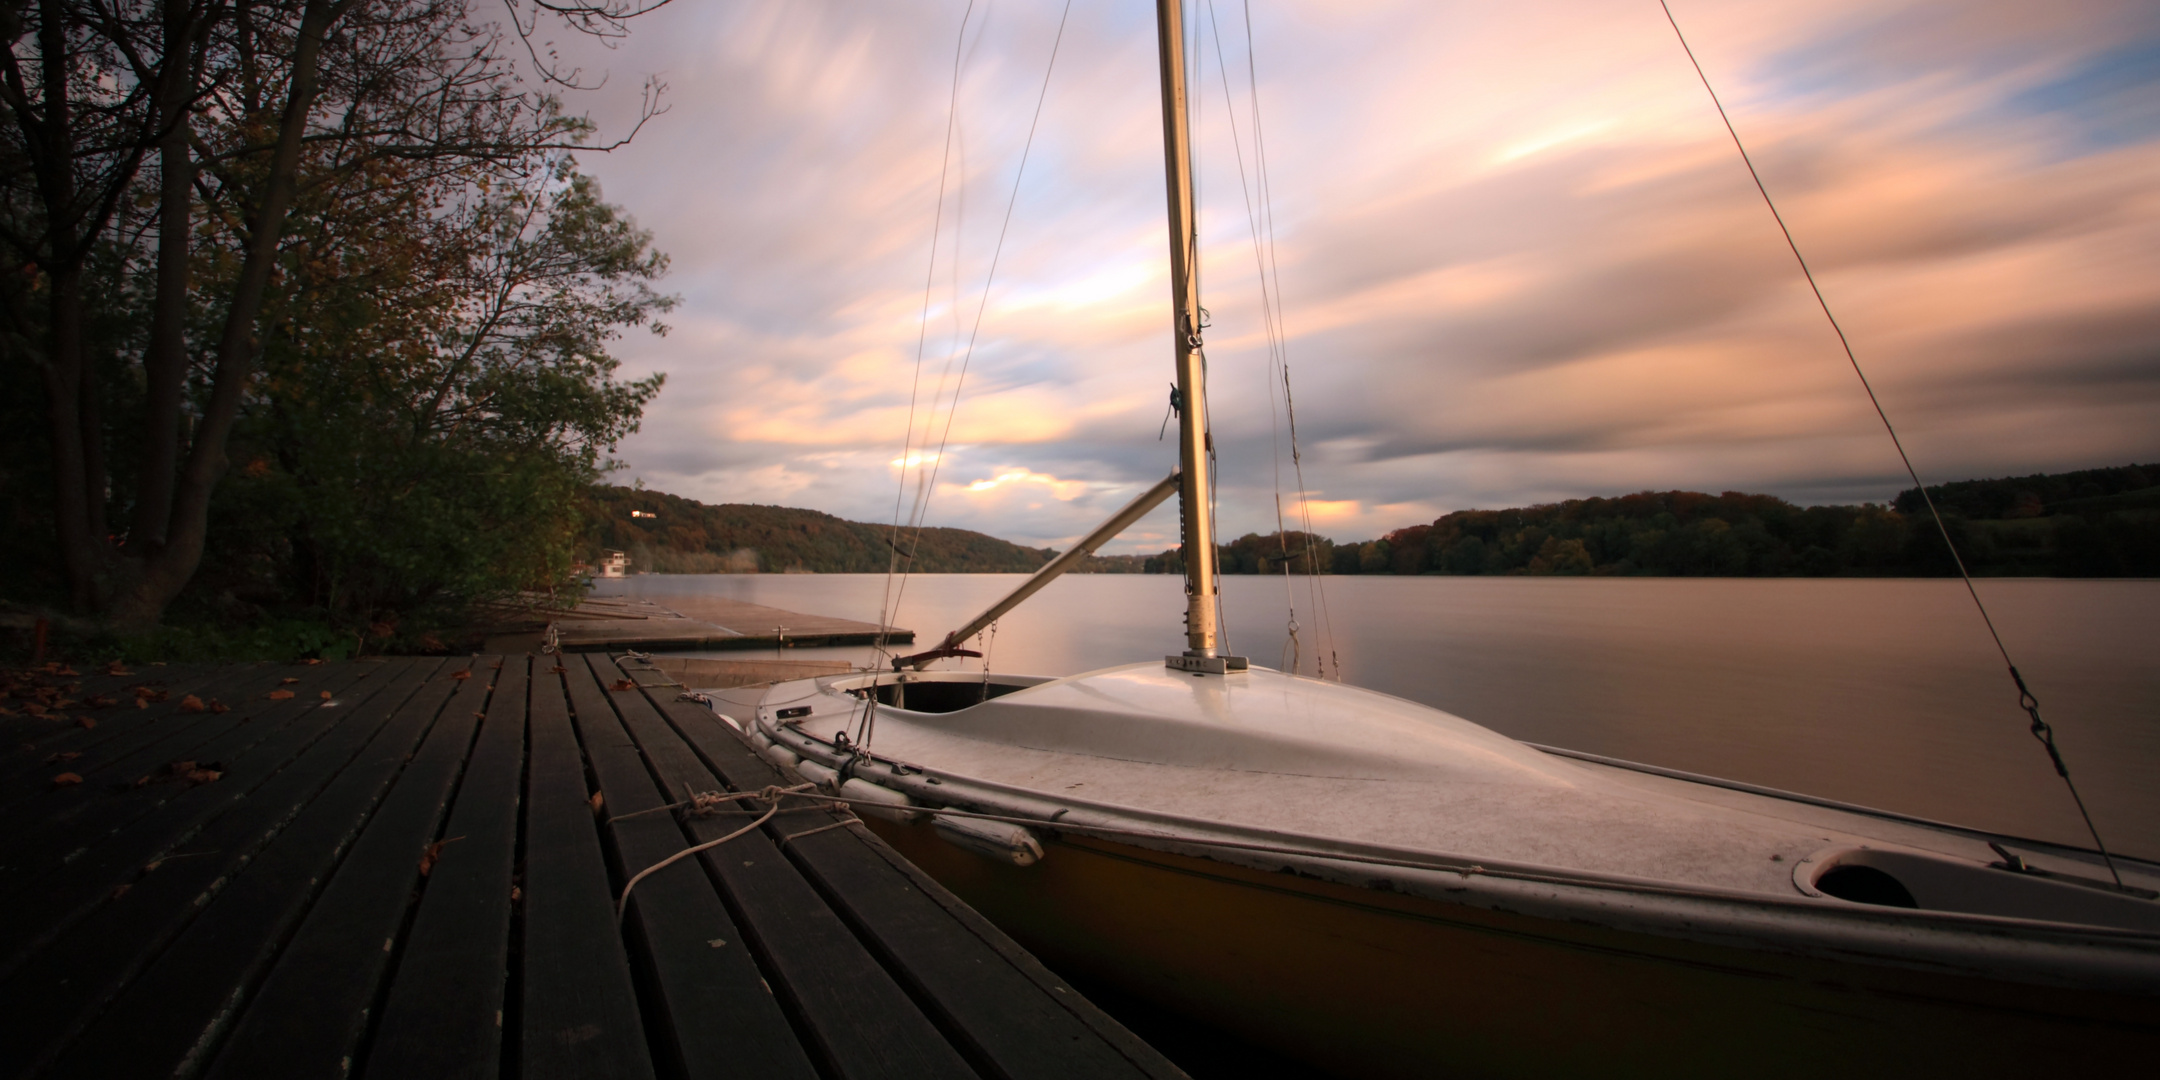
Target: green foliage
{"x":685,"y":536}
{"x":437,"y":393}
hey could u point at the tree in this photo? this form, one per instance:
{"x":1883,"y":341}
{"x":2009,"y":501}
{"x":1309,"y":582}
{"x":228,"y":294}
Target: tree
{"x":437,"y":393}
{"x":251,"y":109}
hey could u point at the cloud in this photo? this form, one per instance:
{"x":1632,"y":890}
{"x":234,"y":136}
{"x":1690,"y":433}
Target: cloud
{"x":1519,"y":259}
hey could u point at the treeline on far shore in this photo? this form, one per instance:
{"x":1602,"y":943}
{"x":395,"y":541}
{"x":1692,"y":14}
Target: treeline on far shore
{"x":2092,"y":523}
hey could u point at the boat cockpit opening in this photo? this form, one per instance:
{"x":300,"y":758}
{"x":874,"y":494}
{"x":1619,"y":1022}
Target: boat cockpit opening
{"x":1865,"y":885}
{"x":939,"y":692}
{"x":1913,"y":879}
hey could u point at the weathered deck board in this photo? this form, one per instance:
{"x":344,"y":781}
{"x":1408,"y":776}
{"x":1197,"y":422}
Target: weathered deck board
{"x":445,"y":1012}
{"x":174,"y":1015}
{"x":707,"y":622}
{"x":276,"y":921}
{"x":579,"y":1009}
{"x":859,"y":1022}
{"x":59,"y":987}
{"x":310,"y":1015}
{"x":718,"y":1010}
{"x":998,"y":1004}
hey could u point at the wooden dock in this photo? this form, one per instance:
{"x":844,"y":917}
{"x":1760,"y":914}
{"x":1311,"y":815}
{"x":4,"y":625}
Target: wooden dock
{"x":410,"y":867}
{"x":704,"y":622}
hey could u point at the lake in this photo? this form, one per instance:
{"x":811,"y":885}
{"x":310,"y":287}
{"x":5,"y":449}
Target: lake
{"x":1881,"y":692}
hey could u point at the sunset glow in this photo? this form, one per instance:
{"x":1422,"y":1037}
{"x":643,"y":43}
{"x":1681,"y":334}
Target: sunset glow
{"x":1520,"y":260}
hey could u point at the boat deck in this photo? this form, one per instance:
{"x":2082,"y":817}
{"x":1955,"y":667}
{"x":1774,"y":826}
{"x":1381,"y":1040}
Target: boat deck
{"x":410,"y":867}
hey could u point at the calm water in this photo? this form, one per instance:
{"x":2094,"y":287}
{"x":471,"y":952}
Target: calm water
{"x":1886,"y":693}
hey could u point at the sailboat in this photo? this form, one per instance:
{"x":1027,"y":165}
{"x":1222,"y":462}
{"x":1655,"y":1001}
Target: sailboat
{"x":1378,"y":888}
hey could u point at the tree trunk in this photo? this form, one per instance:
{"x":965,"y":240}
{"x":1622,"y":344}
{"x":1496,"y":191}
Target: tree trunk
{"x":63,"y":411}
{"x":165,"y":573}
{"x":165,"y":360}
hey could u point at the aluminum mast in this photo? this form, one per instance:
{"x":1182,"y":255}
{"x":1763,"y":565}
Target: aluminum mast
{"x":1196,"y":531}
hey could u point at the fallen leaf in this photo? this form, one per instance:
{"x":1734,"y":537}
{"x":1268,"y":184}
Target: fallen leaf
{"x":65,"y":779}
{"x":434,"y":852}
{"x":179,"y":768}
{"x":120,"y":891}
{"x":100,"y":701}
{"x":33,"y":708}
{"x":516,"y":894}
{"x":623,"y":684}
{"x":5,"y":711}
{"x":67,"y":671}
{"x":312,"y":661}
{"x":193,"y":704}
{"x":280,"y":695}
{"x":326,"y":695}
{"x":202,"y":776}
{"x":287,"y":681}
{"x":558,"y":670}
{"x":145,"y":693}
{"x":115,"y":668}
{"x":461,"y":676}
{"x":85,"y":722}
{"x":69,"y":755}
{"x":217,"y":706}
{"x":596,"y":800}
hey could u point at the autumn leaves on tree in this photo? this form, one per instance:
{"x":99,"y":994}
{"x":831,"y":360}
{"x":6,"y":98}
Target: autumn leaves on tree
{"x":339,"y":244}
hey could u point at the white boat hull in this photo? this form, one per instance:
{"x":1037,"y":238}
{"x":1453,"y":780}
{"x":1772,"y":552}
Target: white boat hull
{"x":1378,"y":888}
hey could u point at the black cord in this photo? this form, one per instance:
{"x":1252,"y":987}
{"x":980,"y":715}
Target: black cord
{"x":2026,"y":700}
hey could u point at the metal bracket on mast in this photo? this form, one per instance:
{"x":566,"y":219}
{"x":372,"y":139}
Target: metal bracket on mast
{"x":1207,"y":665}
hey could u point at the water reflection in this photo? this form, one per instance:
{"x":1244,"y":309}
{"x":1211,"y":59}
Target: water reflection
{"x":1879,"y":692}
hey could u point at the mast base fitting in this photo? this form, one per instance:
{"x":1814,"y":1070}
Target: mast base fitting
{"x":1206,"y":665}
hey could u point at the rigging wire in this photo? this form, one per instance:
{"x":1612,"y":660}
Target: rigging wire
{"x":996,"y":252}
{"x":926,"y":485}
{"x":1260,"y":218}
{"x":888,"y":604}
{"x":922,"y":334}
{"x":2026,"y":700}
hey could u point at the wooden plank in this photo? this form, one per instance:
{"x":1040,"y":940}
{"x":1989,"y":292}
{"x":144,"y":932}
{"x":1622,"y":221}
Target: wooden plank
{"x":46,"y":1000}
{"x":444,"y":1015}
{"x":709,"y":1003}
{"x":1012,"y":1015}
{"x":109,"y":792}
{"x":858,"y":1020}
{"x":53,"y":880}
{"x":28,"y":741}
{"x":310,"y":1014}
{"x":991,"y":995}
{"x":148,"y":742}
{"x":174,"y":1014}
{"x":578,"y":1008}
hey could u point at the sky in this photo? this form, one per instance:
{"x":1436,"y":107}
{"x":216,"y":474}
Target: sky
{"x":1516,"y":255}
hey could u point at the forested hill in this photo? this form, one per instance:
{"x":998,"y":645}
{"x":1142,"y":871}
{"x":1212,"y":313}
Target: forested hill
{"x":2094,"y":523}
{"x":683,"y":536}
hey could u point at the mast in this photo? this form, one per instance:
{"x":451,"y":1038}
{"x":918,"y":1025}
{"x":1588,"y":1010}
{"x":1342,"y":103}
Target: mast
{"x":1195,"y":529}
